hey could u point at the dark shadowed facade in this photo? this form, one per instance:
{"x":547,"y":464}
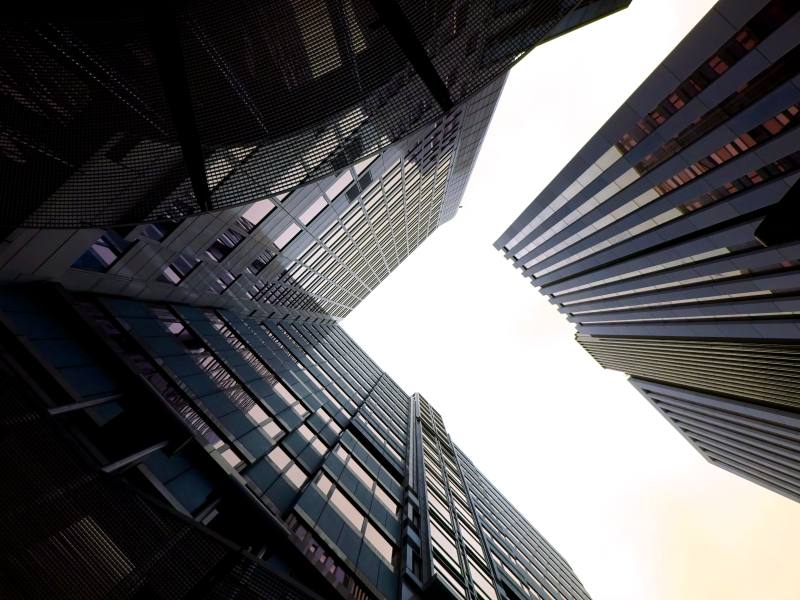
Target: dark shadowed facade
{"x":319,"y":180}
{"x":175,"y":449}
{"x":313,"y":253}
{"x":669,"y":239}
{"x":118,"y":115}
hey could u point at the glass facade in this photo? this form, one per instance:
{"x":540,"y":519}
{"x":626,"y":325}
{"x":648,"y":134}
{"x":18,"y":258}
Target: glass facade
{"x":281,"y":436}
{"x":315,"y":252}
{"x":115,"y":118}
{"x":650,"y":245}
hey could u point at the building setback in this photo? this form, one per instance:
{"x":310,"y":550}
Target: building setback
{"x":757,"y":442}
{"x":118,"y":116}
{"x":168,"y":450}
{"x":665,"y":239}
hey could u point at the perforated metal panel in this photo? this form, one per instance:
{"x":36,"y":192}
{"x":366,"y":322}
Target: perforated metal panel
{"x":141,"y":117}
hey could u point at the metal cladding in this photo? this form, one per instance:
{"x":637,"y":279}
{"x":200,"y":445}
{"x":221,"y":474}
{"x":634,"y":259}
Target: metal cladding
{"x":282,"y":437}
{"x":118,"y":115}
{"x":314,"y":253}
{"x":668,"y":239}
{"x":758,"y":443}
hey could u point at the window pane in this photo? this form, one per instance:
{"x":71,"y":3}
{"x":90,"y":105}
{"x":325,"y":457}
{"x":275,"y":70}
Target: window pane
{"x":258,"y":211}
{"x":313,"y":210}
{"x":278,"y":457}
{"x":347,"y":510}
{"x":324,"y":484}
{"x":287,"y":235}
{"x":380,"y":543}
{"x":296,"y":476}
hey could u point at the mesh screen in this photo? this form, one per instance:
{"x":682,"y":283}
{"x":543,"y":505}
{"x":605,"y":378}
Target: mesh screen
{"x":115,"y":121}
{"x":68,"y":532}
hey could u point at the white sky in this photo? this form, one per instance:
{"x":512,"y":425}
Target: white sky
{"x":634,"y":509}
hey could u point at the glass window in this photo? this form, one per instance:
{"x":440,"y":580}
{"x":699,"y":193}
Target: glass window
{"x":305,"y":432}
{"x":257,"y":414}
{"x":256,"y":213}
{"x":272,"y":429}
{"x":224,"y":244}
{"x":231,"y":457}
{"x":482,"y":582}
{"x":103,"y":253}
{"x":179,"y":268}
{"x":347,"y":509}
{"x":287,"y":235}
{"x":296,"y":476}
{"x":386,"y":500}
{"x":319,"y":446}
{"x":359,"y":472}
{"x":278,"y":457}
{"x":324,"y":484}
{"x":312,"y":211}
{"x":337,"y":186}
{"x":445,"y":542}
{"x":380,"y":543}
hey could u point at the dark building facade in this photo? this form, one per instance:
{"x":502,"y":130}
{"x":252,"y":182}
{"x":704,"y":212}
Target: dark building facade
{"x":757,"y":442}
{"x":309,"y":243}
{"x":118,"y":115}
{"x":667,"y":239}
{"x":313,"y":253}
{"x":178,"y":451}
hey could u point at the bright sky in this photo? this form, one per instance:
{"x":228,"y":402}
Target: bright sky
{"x":634,"y":509}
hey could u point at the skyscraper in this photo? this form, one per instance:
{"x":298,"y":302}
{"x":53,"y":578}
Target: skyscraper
{"x":662,"y":238}
{"x":123,"y":115}
{"x":757,"y":442}
{"x":309,"y":242}
{"x":313,"y":253}
{"x":181,"y":415}
{"x":271,"y":450}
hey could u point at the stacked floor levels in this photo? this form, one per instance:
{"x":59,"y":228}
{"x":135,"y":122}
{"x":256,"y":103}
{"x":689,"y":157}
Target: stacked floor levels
{"x":279,"y":442}
{"x":668,"y":238}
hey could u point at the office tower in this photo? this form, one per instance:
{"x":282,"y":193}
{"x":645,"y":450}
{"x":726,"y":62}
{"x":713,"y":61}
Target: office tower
{"x":123,"y":115}
{"x":667,"y":239}
{"x":173,"y":451}
{"x":757,"y":442}
{"x":311,"y":245}
{"x":314,"y":253}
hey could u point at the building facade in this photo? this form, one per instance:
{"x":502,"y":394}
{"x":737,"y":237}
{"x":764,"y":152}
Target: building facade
{"x":124,"y":115}
{"x":757,"y":442}
{"x":662,"y":239}
{"x":303,"y":218}
{"x":268,"y":449}
{"x":313,"y":253}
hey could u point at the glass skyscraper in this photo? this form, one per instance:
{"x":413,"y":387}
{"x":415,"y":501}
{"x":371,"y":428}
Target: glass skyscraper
{"x":662,"y":238}
{"x":193,"y":195}
{"x":313,"y":253}
{"x":118,"y":116}
{"x":305,"y":224}
{"x":277,"y":437}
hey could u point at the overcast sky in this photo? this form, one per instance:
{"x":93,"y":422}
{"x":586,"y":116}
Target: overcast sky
{"x":634,"y":509}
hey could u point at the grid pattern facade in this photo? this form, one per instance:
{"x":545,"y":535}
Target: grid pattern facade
{"x":157,"y":113}
{"x":755,"y":442}
{"x":525,"y":565}
{"x":315,"y":252}
{"x":279,"y":435}
{"x":479,"y":546}
{"x":647,"y":239}
{"x":71,"y":532}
